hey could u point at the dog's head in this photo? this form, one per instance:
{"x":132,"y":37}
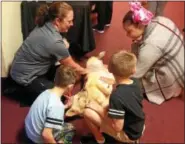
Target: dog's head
{"x":95,"y":63}
{"x":80,"y":100}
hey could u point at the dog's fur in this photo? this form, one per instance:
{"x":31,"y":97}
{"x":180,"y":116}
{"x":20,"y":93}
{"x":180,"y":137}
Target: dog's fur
{"x":94,"y":89}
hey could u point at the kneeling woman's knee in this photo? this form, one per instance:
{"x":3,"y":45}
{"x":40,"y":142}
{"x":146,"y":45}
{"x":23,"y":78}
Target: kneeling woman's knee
{"x":88,"y":113}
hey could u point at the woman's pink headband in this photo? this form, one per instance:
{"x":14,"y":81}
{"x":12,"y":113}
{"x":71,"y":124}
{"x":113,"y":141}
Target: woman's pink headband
{"x":140,"y":14}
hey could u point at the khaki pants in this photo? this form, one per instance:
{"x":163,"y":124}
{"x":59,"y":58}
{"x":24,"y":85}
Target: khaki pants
{"x":120,"y":136}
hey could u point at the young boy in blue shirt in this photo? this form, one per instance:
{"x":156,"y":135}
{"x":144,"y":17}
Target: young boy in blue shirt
{"x":45,"y":121}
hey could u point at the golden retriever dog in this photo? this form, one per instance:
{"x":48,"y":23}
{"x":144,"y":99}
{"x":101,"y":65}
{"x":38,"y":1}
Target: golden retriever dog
{"x":94,"y":89}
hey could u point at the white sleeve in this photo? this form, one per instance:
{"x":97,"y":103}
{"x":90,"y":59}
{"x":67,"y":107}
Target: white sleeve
{"x":55,"y":117}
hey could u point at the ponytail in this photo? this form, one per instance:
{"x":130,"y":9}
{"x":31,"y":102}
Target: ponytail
{"x":42,"y":15}
{"x":48,"y":12}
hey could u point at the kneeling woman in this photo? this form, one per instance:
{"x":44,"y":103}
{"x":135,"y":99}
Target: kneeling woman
{"x":159,"y":47}
{"x":43,"y":48}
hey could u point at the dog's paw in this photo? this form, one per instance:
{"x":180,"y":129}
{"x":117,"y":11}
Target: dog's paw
{"x":101,"y":54}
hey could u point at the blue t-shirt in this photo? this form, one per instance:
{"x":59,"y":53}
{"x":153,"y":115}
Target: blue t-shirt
{"x":46,"y":111}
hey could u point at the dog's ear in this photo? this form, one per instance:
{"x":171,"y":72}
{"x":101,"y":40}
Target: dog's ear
{"x":101,"y":55}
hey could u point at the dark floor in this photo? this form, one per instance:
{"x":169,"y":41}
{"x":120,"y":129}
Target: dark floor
{"x":164,"y":123}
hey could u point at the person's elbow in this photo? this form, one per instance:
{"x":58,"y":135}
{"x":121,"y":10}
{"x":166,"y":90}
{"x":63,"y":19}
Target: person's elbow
{"x":47,"y":135}
{"x":44,"y":135}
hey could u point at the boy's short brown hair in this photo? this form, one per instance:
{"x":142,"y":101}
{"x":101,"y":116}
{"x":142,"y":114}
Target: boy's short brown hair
{"x":65,"y":75}
{"x":122,"y":64}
